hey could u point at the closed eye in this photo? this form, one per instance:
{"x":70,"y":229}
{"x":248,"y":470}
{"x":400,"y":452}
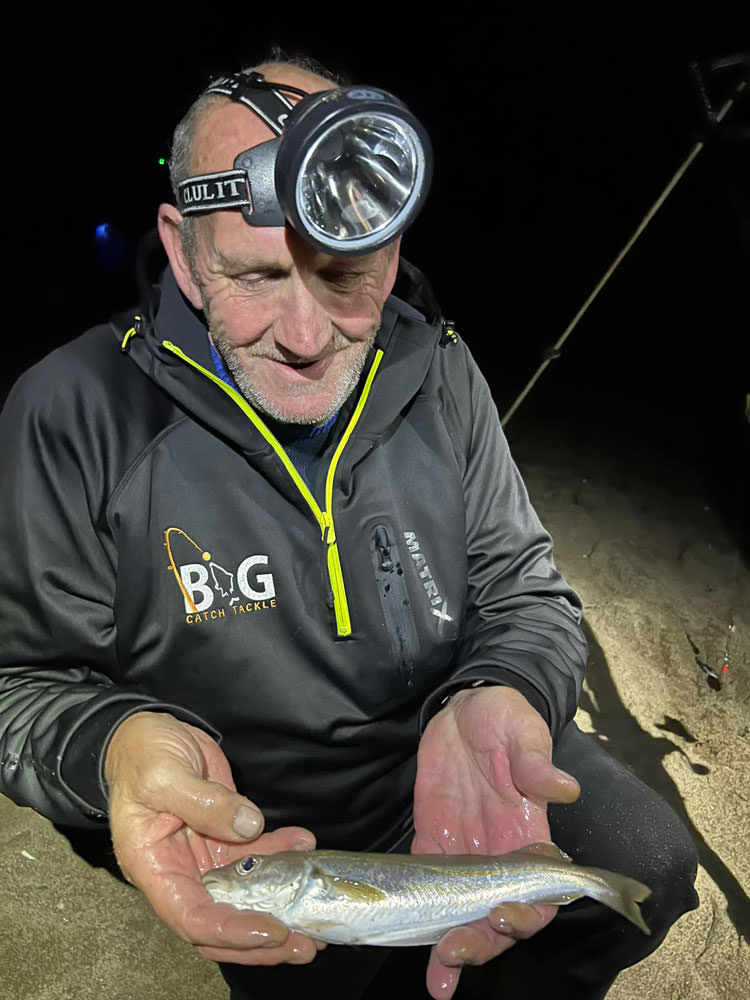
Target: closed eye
{"x":341,"y":279}
{"x":254,"y":279}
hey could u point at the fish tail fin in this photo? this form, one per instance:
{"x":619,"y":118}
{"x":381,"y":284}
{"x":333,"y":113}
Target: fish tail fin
{"x":622,"y":894}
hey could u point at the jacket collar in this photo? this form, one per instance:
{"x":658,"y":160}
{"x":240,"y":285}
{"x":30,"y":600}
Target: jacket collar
{"x":407,"y":341}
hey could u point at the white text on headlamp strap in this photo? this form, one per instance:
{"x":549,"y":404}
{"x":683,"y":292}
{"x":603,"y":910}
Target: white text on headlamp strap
{"x":213,"y":191}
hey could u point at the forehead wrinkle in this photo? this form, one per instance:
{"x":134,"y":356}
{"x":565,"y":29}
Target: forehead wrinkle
{"x":236,"y":263}
{"x":233,"y":246}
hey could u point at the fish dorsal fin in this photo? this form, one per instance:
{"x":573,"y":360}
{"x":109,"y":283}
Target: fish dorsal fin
{"x":337,"y":887}
{"x":547,"y":850}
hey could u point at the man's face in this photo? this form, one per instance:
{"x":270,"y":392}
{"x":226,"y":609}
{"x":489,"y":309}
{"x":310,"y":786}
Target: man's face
{"x":294,"y":325}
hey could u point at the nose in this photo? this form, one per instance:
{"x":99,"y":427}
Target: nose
{"x":302,"y":329}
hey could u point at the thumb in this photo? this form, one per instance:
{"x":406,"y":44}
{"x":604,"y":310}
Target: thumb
{"x":208,"y":807}
{"x":212,"y":801}
{"x":156,"y":764}
{"x":536,"y":776}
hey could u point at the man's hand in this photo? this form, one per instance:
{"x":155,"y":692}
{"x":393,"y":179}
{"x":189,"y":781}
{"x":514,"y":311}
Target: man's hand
{"x":484,"y":778}
{"x":175,"y":813}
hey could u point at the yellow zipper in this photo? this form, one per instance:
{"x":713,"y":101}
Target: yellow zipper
{"x":323,"y":517}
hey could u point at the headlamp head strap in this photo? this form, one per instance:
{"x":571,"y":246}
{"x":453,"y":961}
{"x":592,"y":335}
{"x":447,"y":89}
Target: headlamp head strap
{"x":255,"y":92}
{"x":208,"y":192}
{"x":229,"y":188}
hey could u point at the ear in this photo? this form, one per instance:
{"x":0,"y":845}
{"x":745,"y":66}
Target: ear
{"x":168,"y":222}
{"x":393,"y":251}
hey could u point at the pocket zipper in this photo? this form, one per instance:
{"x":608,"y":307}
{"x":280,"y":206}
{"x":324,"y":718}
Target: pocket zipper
{"x":395,"y":602}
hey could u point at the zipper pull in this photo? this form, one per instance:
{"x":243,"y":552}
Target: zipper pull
{"x":328,"y":532}
{"x":383,"y":546}
{"x":134,"y":330}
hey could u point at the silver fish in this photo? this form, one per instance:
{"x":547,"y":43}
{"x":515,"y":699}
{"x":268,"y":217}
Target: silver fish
{"x":345,"y":897}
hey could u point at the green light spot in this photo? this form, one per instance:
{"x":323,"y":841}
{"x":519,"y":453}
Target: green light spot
{"x":162,"y":161}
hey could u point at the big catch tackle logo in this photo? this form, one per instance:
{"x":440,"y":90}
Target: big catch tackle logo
{"x":210,"y":591}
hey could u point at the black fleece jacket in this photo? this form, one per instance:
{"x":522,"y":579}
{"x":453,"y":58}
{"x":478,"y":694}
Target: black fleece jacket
{"x":160,"y":551}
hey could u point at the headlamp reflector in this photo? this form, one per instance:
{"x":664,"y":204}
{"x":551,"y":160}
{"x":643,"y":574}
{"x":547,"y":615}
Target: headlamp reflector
{"x":359,"y":182}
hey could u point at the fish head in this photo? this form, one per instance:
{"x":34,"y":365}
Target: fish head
{"x":266,"y":882}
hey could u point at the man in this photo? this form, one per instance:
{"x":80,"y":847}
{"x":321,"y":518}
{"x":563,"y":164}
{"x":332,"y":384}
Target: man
{"x":267,"y":560}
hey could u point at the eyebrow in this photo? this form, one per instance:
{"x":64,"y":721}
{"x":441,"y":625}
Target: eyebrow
{"x":244,"y":265}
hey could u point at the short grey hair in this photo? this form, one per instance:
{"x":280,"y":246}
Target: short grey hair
{"x":180,"y":159}
{"x":182,"y":140}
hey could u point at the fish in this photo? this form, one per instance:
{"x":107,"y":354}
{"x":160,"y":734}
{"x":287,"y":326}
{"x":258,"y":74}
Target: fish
{"x":358,"y":898}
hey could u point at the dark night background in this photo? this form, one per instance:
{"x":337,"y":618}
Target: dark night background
{"x":552,"y":141}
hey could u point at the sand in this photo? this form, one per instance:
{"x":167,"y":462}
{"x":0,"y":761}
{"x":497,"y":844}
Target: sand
{"x":667,"y":605}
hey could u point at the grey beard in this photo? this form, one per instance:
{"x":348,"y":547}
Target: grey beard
{"x":347,"y":383}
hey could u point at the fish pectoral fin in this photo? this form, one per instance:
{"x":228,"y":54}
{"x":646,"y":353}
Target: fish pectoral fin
{"x":338,"y":887}
{"x":326,"y":930}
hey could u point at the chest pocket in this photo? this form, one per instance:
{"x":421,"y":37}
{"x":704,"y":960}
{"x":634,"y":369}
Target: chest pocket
{"x":395,"y":602}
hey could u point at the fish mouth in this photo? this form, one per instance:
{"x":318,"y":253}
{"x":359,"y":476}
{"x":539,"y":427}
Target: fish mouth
{"x":215,"y":887}
{"x":218,"y":889}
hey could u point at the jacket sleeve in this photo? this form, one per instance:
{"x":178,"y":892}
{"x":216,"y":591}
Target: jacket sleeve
{"x":59,"y":696}
{"x":523,"y":621}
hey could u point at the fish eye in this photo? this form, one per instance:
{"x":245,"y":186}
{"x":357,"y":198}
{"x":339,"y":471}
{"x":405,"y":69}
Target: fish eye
{"x":246,"y":865}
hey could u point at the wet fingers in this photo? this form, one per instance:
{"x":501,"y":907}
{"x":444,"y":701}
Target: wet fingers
{"x":470,"y":946}
{"x":296,"y":950}
{"x":519,"y":920}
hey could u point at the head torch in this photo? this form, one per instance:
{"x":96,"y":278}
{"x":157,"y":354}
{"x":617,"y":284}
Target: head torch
{"x":349,"y":169}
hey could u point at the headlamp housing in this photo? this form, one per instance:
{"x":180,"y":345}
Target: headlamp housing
{"x":349,"y":172}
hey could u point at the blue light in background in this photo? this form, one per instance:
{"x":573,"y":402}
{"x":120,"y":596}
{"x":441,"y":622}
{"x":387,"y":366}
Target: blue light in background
{"x":111,"y":249}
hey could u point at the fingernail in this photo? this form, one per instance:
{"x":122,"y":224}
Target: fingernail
{"x":268,"y":939}
{"x":301,"y":955}
{"x":503,"y":924}
{"x":304,"y":844}
{"x":505,"y":918}
{"x":568,"y":789}
{"x":247,"y":822}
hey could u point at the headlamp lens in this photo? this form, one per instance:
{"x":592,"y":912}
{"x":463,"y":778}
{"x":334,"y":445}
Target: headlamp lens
{"x":359,"y":180}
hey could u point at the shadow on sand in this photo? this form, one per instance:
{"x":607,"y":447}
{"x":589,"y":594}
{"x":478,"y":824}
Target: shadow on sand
{"x":621,"y":735}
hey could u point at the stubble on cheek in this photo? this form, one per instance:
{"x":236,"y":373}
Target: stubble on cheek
{"x":294,"y":404}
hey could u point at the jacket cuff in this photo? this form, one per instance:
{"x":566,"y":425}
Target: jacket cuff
{"x":505,"y":678}
{"x":82,"y":753}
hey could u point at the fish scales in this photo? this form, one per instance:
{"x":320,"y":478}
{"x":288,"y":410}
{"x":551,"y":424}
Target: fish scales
{"x":404,"y":899}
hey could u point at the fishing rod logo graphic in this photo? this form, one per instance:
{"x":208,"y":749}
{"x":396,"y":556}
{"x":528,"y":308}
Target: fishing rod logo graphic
{"x":205,"y":583}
